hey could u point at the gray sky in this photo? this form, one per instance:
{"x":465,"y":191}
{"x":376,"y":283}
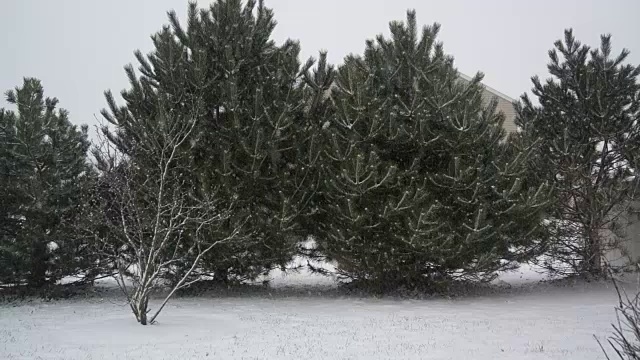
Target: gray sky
{"x":78,"y":47}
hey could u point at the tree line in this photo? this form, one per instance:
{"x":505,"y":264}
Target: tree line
{"x":229,"y":152}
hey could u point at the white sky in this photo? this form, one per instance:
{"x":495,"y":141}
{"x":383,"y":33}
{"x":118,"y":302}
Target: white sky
{"x":78,"y":47}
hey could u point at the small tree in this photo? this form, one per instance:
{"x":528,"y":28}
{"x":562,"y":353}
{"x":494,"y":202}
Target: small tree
{"x":586,"y":136}
{"x":156,"y":217}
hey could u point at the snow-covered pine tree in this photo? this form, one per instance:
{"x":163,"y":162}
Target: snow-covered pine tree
{"x":254,"y":143}
{"x":587,"y":134}
{"x":43,"y":167}
{"x":418,"y":179}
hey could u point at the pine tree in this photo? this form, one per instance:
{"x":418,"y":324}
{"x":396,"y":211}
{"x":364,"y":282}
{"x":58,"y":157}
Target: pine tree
{"x":418,"y":177}
{"x":586,"y":134}
{"x":11,"y":169}
{"x":254,"y":141}
{"x":43,"y":167}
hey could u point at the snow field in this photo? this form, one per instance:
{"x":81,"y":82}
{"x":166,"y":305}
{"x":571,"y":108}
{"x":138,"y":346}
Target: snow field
{"x":524,"y":321}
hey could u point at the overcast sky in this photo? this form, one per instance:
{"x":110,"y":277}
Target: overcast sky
{"x":78,"y":47}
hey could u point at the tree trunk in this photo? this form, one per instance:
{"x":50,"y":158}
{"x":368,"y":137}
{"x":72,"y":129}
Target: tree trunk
{"x":141,"y":303}
{"x":142,"y":316}
{"x":594,"y":251}
{"x":221,"y":276}
{"x":38,"y":272}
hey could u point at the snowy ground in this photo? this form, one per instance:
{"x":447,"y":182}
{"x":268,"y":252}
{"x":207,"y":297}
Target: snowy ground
{"x":291,"y":321}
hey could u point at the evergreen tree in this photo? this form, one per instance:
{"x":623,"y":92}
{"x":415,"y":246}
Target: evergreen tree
{"x":254,"y":141}
{"x":418,"y":177}
{"x":43,"y":166}
{"x":586,"y":134}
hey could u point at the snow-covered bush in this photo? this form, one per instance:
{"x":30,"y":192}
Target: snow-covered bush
{"x":625,"y":340}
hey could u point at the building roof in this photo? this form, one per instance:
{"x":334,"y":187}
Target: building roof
{"x":489,"y":89}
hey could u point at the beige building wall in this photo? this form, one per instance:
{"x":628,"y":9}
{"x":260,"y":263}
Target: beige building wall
{"x":506,"y":107}
{"x":624,"y":245}
{"x":505,"y":104}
